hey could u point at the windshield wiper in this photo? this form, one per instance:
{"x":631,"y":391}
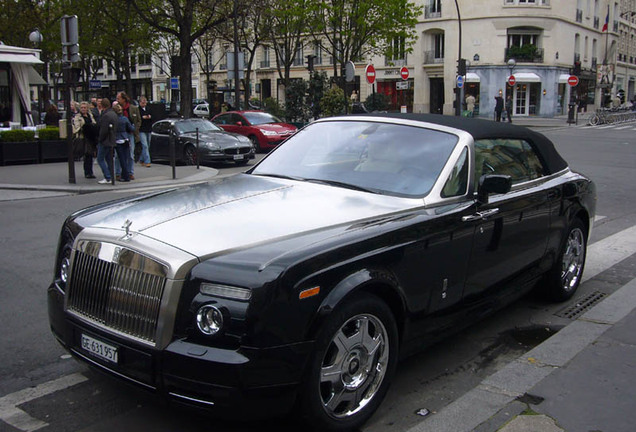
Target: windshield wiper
{"x":340,"y":184}
{"x":281,"y":176}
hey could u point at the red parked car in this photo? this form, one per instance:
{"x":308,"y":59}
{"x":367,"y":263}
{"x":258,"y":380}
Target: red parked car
{"x":263,"y":129}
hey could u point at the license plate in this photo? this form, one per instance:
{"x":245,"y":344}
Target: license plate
{"x":100,"y":349}
{"x":238,"y":157}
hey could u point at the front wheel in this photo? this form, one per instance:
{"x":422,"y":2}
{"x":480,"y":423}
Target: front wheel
{"x":565,"y":277}
{"x":352,"y":366}
{"x":190,"y":155}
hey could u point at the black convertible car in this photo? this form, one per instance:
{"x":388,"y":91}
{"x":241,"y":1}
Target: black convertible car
{"x":198,"y":140}
{"x":376,"y":236}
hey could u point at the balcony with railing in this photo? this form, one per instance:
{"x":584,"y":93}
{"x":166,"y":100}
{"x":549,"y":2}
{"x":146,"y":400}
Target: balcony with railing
{"x":431,"y":11}
{"x":433,"y":57}
{"x":597,"y":22}
{"x":265,"y":63}
{"x":594,"y":63}
{"x":525,"y":54}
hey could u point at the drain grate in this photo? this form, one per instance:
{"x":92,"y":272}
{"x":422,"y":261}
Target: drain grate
{"x":581,"y":305}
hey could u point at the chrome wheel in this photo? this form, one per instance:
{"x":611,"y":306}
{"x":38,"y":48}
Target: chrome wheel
{"x":354,"y":366}
{"x":573,"y":260}
{"x":190,"y":155}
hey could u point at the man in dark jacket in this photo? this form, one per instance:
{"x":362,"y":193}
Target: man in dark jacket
{"x":106,"y":141}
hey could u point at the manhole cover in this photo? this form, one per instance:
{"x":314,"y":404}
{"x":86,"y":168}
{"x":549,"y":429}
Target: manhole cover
{"x":582,"y":305}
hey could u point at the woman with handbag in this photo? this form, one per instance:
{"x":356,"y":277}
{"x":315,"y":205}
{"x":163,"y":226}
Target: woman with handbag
{"x":85,"y":137}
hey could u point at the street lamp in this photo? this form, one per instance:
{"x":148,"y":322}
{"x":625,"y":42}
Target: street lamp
{"x":511,"y":65}
{"x":36,"y":38}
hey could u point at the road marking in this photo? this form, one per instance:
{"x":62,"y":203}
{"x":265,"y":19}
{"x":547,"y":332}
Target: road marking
{"x":14,"y":416}
{"x":605,"y":253}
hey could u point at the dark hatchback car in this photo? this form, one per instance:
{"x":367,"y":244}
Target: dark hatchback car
{"x":263,"y":129}
{"x":387,"y":233}
{"x":214,"y":144}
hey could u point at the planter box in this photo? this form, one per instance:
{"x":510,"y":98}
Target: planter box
{"x":19,"y":152}
{"x":53,"y":151}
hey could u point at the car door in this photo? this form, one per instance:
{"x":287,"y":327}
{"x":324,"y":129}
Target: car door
{"x":160,"y":140}
{"x":510,"y":230}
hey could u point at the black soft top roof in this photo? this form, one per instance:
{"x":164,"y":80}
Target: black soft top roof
{"x":486,"y":129}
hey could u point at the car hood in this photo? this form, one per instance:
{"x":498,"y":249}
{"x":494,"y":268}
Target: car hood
{"x":220,"y":138}
{"x":240,"y":211}
{"x":281,"y":128}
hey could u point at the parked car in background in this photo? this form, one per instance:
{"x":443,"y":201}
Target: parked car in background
{"x":202,"y":110}
{"x":263,"y":129}
{"x":215,"y":144}
{"x":377,"y":235}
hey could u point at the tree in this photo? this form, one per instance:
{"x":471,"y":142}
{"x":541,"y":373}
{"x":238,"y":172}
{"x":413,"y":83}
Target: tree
{"x":318,"y":82}
{"x":350,"y":30}
{"x":296,"y":108}
{"x":187,"y":20}
{"x":333,"y":102}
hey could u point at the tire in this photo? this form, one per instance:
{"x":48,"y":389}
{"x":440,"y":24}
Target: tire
{"x":349,"y":374}
{"x":190,"y":155}
{"x":565,"y":277}
{"x":255,"y":143}
{"x":594,"y":120}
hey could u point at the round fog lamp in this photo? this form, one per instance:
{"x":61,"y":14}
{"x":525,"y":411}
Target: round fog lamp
{"x":64,"y":269}
{"x":209,"y":320}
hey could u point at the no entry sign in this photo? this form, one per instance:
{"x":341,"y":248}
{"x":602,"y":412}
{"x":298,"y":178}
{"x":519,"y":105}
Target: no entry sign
{"x":370,"y":73}
{"x":512,"y":80}
{"x":573,"y":80}
{"x":404,"y":73}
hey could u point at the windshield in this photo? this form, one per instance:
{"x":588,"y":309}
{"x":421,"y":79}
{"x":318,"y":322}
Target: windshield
{"x":257,"y":118}
{"x":378,"y":157}
{"x":191,"y":125}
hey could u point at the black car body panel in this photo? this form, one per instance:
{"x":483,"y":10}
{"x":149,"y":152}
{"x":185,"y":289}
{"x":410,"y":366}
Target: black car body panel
{"x":438,"y":262}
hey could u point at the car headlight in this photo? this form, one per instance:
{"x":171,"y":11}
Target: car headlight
{"x":63,"y":259}
{"x":269,"y":133}
{"x":210,"y":319}
{"x":212,"y":146}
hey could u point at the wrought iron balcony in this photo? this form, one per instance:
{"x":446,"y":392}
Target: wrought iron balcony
{"x":430,"y":57}
{"x":525,"y":54}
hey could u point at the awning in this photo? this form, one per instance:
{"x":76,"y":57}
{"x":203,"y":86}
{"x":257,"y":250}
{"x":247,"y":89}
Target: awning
{"x":563,"y":78}
{"x":19,"y":58}
{"x":526,"y":77}
{"x":35,"y":78}
{"x":472,"y":77}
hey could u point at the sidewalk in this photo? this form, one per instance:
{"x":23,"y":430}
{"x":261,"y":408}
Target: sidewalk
{"x":55,"y":177}
{"x":580,"y":379}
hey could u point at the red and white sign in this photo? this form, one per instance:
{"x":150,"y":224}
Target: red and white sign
{"x":404,"y":73}
{"x":573,"y":80}
{"x":512,"y":80}
{"x":370,"y":73}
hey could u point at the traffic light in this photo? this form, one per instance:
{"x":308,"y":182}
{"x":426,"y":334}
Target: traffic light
{"x":461,"y":67}
{"x":310,"y":62}
{"x":577,"y":68}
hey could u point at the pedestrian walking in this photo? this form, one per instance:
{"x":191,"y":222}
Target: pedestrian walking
{"x":85,"y":134}
{"x":509,"y":108}
{"x":106,"y":140}
{"x":52,"y":116}
{"x":470,"y":104}
{"x":499,"y":106}
{"x":144,"y":131}
{"x":124,"y":131}
{"x":131,"y":112}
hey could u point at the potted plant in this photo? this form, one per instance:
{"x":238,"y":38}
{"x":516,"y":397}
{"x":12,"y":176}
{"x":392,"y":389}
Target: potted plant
{"x":52,"y":147}
{"x":18,"y":146}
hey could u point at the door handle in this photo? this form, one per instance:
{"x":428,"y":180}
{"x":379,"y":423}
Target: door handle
{"x":481,"y":215}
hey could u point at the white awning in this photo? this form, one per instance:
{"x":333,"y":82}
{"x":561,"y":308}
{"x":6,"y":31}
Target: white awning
{"x":472,"y":77}
{"x":563,"y":78}
{"x":526,"y":77}
{"x":35,"y":78}
{"x":19,"y":58}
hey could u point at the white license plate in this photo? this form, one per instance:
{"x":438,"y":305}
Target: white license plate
{"x":99,"y":348}
{"x":238,"y":157}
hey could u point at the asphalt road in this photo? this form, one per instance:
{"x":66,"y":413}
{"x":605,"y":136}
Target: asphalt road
{"x":50,"y":391}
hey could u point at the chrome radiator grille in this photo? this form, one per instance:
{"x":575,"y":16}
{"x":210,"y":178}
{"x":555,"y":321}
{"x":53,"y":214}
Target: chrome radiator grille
{"x":116,"y":288}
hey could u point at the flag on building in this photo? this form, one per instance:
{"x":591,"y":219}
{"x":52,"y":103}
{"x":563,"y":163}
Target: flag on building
{"x":605,"y":26}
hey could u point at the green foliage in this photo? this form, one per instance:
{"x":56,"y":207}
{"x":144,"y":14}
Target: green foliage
{"x":333,"y":102}
{"x":318,"y":82}
{"x":49,"y":134}
{"x":272,"y":106}
{"x":377,"y":102}
{"x":526,"y":52}
{"x":295,"y":107}
{"x":17,"y":135}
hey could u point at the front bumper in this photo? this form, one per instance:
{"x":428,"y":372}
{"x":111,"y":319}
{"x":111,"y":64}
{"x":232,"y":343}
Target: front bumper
{"x":209,"y":156}
{"x":258,"y":382}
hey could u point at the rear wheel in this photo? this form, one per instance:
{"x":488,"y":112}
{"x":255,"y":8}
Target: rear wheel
{"x":255,"y":143}
{"x":352,"y":366}
{"x":565,"y":277}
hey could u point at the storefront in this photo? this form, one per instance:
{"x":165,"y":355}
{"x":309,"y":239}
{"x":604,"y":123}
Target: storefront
{"x":17,"y":75}
{"x":399,"y":91}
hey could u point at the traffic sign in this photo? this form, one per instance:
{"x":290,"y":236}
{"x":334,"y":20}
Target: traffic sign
{"x":512,"y":80}
{"x":174,"y":83}
{"x":94,"y":84}
{"x":573,"y":80}
{"x":404,"y":73}
{"x":460,"y":81}
{"x":370,"y":73}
